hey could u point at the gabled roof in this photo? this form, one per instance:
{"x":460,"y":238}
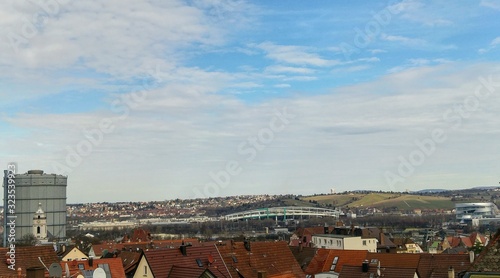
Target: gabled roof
{"x":436,"y":264}
{"x":309,"y":231}
{"x":385,"y":242}
{"x":114,"y":266}
{"x":349,"y":271}
{"x":303,"y":255}
{"x":71,"y":251}
{"x":324,"y":259}
{"x":161,"y":261}
{"x":488,"y":260}
{"x":272,"y":257}
{"x":29,"y":256}
{"x":129,"y":260}
{"x":189,"y":272}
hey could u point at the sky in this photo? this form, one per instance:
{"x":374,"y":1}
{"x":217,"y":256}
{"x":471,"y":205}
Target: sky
{"x":157,"y":100}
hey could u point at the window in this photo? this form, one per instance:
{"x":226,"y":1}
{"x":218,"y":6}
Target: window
{"x":38,"y":229}
{"x":198,"y":261}
{"x":364,"y":242}
{"x":145,"y":270}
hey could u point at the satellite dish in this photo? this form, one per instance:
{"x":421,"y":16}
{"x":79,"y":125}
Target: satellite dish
{"x":55,"y":270}
{"x":99,"y":273}
{"x":80,"y":276}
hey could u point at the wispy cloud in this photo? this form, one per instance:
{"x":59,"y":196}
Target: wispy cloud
{"x":416,"y":43}
{"x":295,"y":55}
{"x":490,"y":4}
{"x":418,"y":62}
{"x":493,"y":44}
{"x":420,"y":12}
{"x":285,"y":69}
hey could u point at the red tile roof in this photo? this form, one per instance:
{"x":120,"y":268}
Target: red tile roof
{"x":349,"y":271}
{"x":489,"y":258}
{"x":187,"y":272}
{"x":324,"y":258}
{"x":161,"y":261}
{"x":129,"y":260}
{"x":273,"y":257}
{"x":76,"y":267}
{"x":436,"y":264}
{"x":29,"y":256}
{"x":401,"y":260}
{"x":110,"y":247}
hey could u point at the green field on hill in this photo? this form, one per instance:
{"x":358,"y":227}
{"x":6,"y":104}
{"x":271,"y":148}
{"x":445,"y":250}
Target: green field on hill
{"x":383,"y":200}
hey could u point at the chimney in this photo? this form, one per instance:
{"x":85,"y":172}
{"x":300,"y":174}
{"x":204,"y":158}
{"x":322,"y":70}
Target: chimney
{"x":472,"y":256}
{"x":325,"y":229}
{"x":91,"y":261}
{"x":451,"y":272}
{"x":261,"y":274}
{"x":246,"y":243}
{"x":300,"y":246}
{"x":183,"y":249}
{"x":365,"y":265}
{"x":19,"y":272}
{"x":35,"y":272}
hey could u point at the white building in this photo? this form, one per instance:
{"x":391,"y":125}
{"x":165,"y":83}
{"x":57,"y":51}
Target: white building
{"x":344,"y":242}
{"x":468,"y":211}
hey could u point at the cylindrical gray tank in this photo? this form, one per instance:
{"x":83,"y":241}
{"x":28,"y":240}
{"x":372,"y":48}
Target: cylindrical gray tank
{"x":36,"y":187}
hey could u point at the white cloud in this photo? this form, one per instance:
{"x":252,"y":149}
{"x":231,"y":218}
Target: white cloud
{"x":429,"y":14}
{"x":490,"y":4}
{"x":493,"y":44}
{"x":182,"y":133}
{"x":416,"y":43}
{"x":287,"y":69}
{"x":295,"y":55}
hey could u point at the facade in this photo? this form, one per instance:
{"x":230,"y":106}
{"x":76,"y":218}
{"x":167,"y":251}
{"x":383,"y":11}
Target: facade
{"x":36,"y":189}
{"x":40,"y":224}
{"x":468,"y":211}
{"x":344,"y":242}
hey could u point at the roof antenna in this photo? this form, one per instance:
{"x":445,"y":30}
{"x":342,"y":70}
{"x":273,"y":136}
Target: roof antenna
{"x":40,"y":259}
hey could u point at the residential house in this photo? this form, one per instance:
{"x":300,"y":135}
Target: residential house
{"x":328,"y":263}
{"x":130,"y":261}
{"x":111,"y":266}
{"x":406,"y":245}
{"x":344,"y":242}
{"x":441,"y":265}
{"x":73,"y":254}
{"x":175,"y":262}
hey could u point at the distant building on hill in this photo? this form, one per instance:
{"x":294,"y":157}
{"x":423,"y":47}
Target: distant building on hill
{"x":469,"y":211}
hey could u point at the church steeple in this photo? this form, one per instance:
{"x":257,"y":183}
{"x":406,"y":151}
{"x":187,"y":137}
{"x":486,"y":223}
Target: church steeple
{"x":40,"y":224}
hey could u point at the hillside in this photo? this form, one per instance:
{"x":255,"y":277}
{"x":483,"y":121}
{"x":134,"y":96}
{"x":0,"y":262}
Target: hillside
{"x":383,"y":200}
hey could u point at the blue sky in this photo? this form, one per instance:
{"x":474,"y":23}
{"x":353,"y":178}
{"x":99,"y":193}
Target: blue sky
{"x":158,"y":100}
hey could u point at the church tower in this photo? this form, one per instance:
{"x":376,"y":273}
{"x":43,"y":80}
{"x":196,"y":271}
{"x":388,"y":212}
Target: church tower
{"x":40,"y":224}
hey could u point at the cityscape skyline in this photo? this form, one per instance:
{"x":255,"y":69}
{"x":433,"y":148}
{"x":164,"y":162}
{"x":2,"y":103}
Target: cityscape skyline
{"x":138,"y":101}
